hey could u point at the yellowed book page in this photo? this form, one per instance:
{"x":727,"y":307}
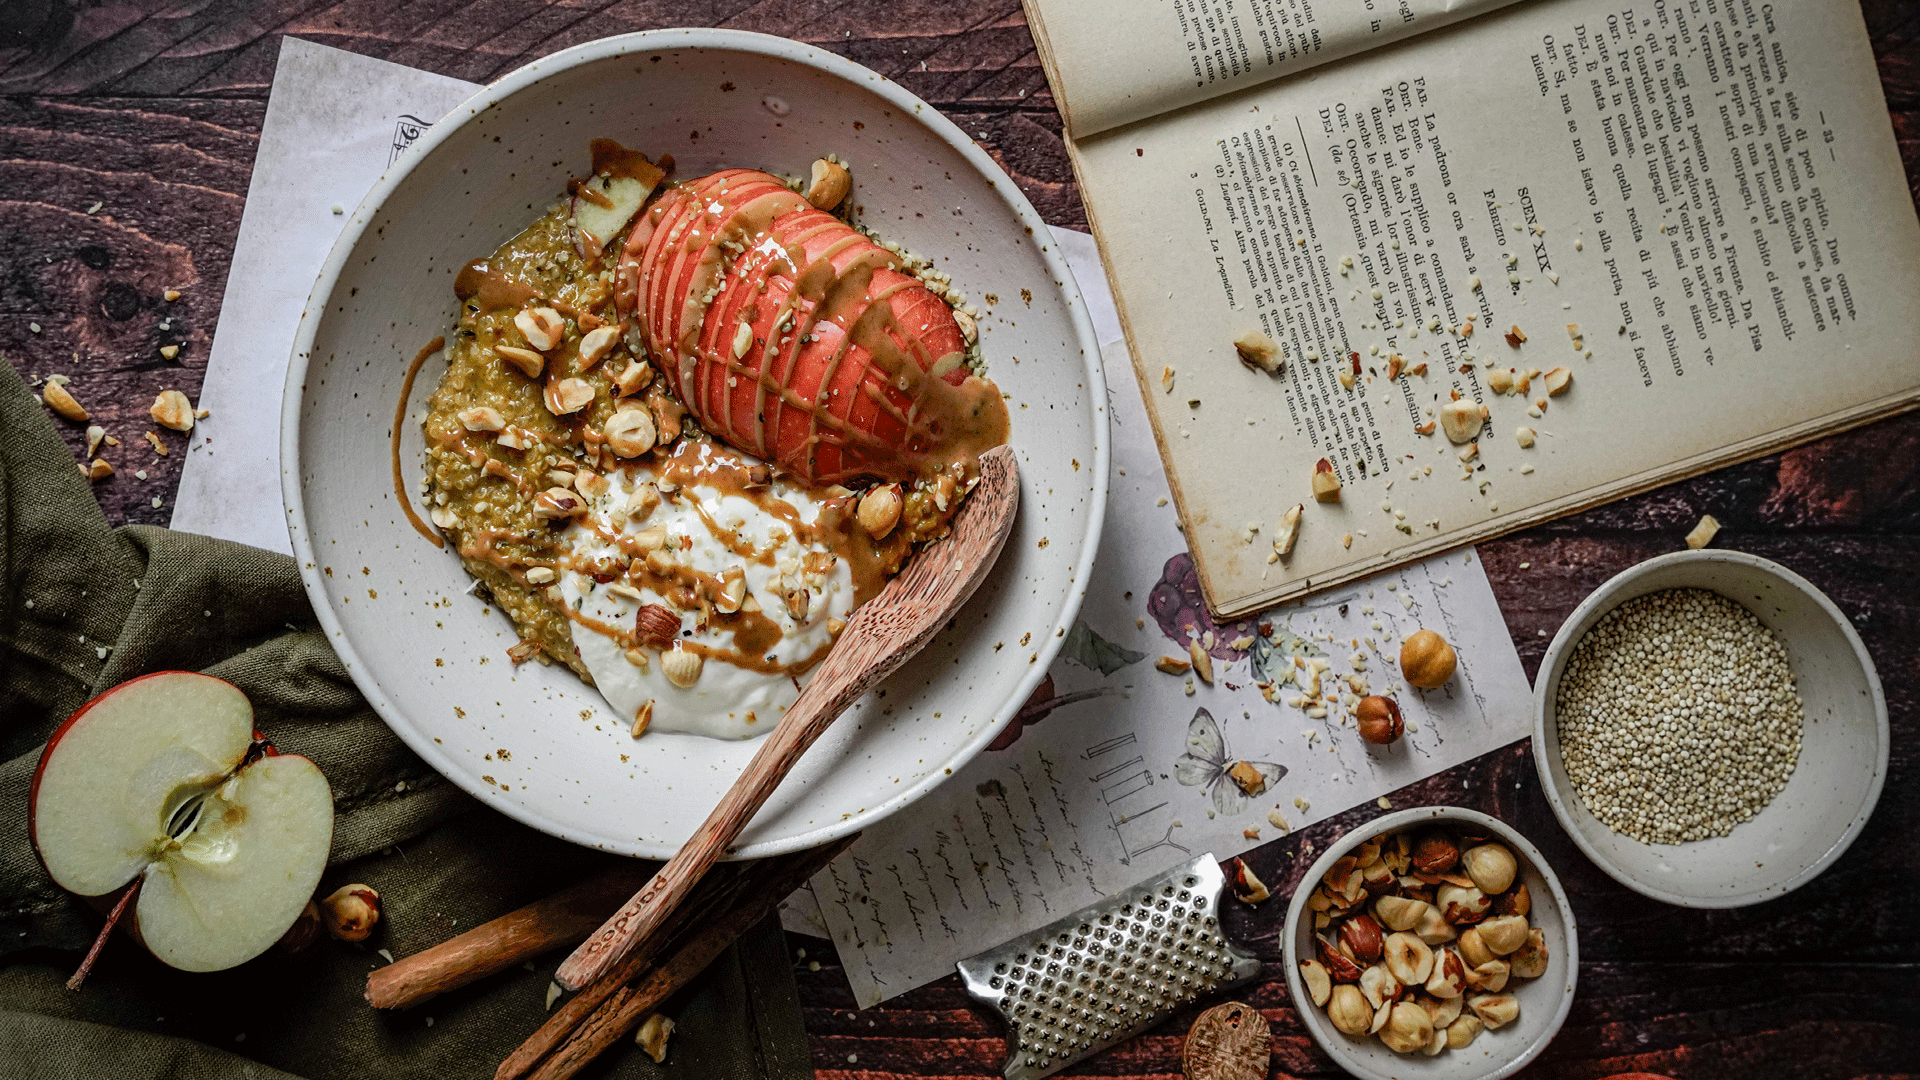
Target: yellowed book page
{"x":1695,"y":212}
{"x":1114,"y":63}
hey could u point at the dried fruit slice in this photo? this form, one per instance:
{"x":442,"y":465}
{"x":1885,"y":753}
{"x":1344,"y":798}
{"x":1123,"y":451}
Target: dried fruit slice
{"x":849,"y":368}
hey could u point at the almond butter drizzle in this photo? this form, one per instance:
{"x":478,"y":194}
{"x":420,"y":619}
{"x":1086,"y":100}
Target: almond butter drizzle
{"x":399,"y":418}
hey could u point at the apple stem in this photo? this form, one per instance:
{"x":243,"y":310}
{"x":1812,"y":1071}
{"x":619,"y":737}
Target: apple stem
{"x":86,"y":965}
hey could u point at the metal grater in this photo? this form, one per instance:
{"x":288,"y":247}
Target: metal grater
{"x":1103,"y":974}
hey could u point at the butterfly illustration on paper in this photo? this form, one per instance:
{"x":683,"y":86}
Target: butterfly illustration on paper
{"x":1207,"y":763}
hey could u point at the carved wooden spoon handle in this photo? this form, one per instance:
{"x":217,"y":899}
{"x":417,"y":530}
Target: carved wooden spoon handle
{"x":809,"y":716}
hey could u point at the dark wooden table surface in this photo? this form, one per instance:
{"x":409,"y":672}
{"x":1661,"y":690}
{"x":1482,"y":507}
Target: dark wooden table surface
{"x":152,"y":108}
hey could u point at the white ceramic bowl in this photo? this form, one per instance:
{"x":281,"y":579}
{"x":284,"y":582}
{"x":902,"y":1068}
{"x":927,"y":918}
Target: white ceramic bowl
{"x":1843,"y":746}
{"x":534,"y":742}
{"x":1544,"y":1002}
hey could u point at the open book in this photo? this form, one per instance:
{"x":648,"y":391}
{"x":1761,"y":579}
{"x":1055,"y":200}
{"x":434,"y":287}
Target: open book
{"x":1688,"y":218}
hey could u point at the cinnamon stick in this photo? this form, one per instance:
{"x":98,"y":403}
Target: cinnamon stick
{"x":564,"y":918}
{"x":731,"y":898}
{"x":712,"y":897}
{"x":617,"y":1018}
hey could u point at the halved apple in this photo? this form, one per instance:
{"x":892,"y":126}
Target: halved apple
{"x":164,"y":779}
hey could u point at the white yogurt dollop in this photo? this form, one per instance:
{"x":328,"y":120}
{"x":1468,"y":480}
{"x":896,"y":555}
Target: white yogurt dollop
{"x":729,"y":701}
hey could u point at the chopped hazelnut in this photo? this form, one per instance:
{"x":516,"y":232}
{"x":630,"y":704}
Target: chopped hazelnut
{"x":1461,"y":420}
{"x":172,"y":409}
{"x":596,"y":345}
{"x":1202,"y":661}
{"x":1326,"y":485}
{"x":630,"y":431}
{"x":1703,"y":533}
{"x":828,"y":185}
{"x":1289,"y":529}
{"x":1258,"y":351}
{"x":481,"y":418}
{"x":565,"y":396}
{"x":529,"y":362}
{"x":543,"y":327}
{"x":61,"y":400}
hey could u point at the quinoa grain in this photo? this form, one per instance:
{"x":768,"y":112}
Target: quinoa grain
{"x":1678,"y":717}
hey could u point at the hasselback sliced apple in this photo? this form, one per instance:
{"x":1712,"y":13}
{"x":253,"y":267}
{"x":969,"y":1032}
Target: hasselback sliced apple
{"x":793,"y":337}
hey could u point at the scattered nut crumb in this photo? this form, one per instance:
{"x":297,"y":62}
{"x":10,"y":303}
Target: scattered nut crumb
{"x":1202,"y":661}
{"x":1326,"y":486}
{"x":1703,"y":533}
{"x":1258,"y":351}
{"x":172,"y":409}
{"x":61,"y":400}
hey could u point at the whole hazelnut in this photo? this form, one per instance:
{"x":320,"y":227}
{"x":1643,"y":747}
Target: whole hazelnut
{"x":1473,"y":948}
{"x":1409,"y":1028}
{"x":1434,"y":852}
{"x":1462,"y":1032}
{"x":1363,"y":938}
{"x":351,"y":912}
{"x":1349,"y":1011}
{"x":1491,"y":866}
{"x":1399,"y":912}
{"x":1426,"y":660}
{"x":1503,"y":934}
{"x":1379,"y":720}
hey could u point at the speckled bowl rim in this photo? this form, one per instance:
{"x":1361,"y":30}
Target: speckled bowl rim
{"x":1329,"y":1038}
{"x":1602,"y":600}
{"x":740,"y":41}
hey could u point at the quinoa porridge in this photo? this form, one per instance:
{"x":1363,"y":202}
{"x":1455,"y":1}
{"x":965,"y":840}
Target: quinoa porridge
{"x":686,"y":428}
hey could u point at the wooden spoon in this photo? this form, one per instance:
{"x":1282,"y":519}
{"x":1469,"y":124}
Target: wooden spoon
{"x":882,"y":634}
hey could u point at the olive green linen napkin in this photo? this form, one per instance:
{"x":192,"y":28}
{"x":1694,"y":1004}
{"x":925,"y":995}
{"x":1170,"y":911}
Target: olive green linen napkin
{"x":84,"y":606}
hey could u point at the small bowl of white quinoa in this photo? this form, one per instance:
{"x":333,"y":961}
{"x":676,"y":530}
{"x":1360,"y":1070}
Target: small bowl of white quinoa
{"x":1709,"y":729}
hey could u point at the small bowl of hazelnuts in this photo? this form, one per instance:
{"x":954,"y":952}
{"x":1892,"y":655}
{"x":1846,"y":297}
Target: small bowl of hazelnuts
{"x":1431,"y":942}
